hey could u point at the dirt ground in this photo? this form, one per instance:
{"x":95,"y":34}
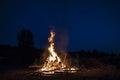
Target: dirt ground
{"x":104,"y":73}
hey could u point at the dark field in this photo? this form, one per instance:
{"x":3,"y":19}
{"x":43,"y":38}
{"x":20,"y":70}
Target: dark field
{"x":102,"y":73}
{"x":94,"y":65}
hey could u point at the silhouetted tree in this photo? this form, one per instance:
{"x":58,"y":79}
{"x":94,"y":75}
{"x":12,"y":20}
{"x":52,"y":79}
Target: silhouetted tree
{"x":25,"y":38}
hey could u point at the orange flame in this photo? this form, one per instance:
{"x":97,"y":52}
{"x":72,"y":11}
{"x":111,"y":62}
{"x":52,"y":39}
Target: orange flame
{"x":53,"y":61}
{"x":53,"y":55}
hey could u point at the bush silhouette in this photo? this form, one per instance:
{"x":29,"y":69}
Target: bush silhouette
{"x":25,"y":38}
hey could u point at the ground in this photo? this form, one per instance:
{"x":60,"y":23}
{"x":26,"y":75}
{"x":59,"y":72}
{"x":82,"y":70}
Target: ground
{"x":101,"y":73}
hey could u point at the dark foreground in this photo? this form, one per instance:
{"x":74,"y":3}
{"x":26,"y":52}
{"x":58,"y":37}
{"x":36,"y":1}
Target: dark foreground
{"x":103,"y":73}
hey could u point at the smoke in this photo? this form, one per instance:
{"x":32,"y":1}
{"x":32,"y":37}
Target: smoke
{"x":61,"y":39}
{"x":61,"y":44}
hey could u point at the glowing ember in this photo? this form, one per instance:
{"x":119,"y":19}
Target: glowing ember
{"x":53,"y":62}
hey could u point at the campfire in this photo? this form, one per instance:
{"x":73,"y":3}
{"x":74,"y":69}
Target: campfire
{"x":53,"y":62}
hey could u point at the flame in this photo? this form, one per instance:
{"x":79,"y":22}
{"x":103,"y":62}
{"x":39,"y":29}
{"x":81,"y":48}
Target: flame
{"x":53,"y":61}
{"x":51,"y":49}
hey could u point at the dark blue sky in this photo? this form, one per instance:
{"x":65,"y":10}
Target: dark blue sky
{"x":84,"y":24}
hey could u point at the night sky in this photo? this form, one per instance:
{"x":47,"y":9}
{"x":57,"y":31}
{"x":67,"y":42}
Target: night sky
{"x":79,"y":24}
